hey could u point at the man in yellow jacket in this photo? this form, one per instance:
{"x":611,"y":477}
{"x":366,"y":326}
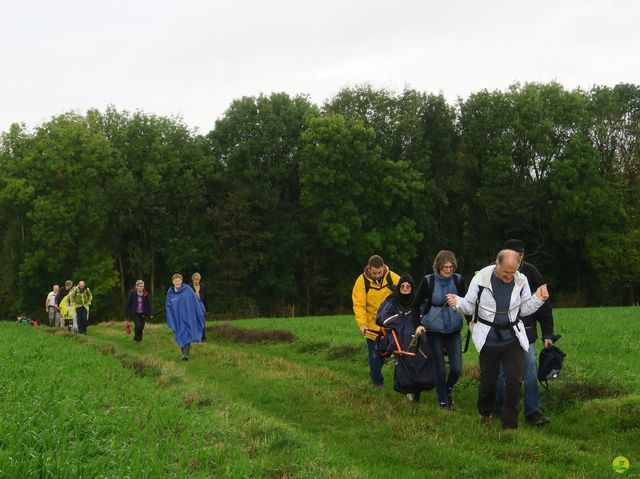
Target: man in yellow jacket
{"x":371,"y":289}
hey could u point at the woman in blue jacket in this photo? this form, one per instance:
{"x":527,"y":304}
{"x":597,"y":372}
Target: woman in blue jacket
{"x":441,"y":323}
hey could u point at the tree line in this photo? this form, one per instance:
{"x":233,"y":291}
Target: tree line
{"x":280,"y":205}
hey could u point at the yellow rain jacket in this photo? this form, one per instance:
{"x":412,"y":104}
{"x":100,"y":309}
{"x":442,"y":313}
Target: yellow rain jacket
{"x":67,"y":310}
{"x":367,"y":296}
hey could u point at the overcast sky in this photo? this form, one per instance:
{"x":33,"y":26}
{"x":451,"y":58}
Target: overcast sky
{"x":193,"y":57}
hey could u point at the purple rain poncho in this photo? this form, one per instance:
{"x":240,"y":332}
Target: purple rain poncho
{"x":185,"y":315}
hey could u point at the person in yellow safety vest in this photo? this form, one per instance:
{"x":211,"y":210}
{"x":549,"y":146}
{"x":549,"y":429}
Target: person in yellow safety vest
{"x":371,"y":288}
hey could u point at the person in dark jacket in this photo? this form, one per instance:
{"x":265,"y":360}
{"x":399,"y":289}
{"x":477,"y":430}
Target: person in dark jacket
{"x":62,"y":292}
{"x":201,"y":292}
{"x":544,"y":316}
{"x":138,"y":308}
{"x":441,"y":323}
{"x":396,"y":312}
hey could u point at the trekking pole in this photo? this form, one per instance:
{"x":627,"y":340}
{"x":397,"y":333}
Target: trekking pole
{"x":437,"y":314}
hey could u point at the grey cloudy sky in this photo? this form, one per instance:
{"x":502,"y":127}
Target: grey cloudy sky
{"x":193,"y":57}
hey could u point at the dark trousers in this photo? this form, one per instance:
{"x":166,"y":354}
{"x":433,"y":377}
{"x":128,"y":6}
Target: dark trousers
{"x":138,"y":326}
{"x":512,"y":358}
{"x":81,"y":315}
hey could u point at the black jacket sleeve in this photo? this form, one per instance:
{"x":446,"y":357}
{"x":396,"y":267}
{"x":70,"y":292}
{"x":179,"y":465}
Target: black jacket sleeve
{"x":128,"y":306}
{"x":462,"y":292}
{"x":59,"y":296}
{"x":421,"y":296}
{"x":544,"y":315}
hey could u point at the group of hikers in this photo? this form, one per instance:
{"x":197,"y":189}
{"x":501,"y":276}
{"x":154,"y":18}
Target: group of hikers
{"x":68,"y":307}
{"x":186,"y":306}
{"x":422,"y":326}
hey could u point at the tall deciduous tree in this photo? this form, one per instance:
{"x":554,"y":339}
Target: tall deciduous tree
{"x":257,"y":144}
{"x":357,"y":204}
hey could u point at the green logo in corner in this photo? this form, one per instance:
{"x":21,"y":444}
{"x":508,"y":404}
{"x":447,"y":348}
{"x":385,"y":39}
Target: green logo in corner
{"x":620,"y":464}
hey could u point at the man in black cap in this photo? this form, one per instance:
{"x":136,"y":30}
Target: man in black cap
{"x":544,"y":316}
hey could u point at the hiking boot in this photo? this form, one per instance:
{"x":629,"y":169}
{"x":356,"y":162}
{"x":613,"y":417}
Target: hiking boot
{"x":185,"y":357}
{"x":537,"y":419}
{"x":485,"y":420}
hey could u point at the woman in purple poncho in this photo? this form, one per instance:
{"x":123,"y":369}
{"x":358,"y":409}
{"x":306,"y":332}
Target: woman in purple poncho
{"x":185,"y":315}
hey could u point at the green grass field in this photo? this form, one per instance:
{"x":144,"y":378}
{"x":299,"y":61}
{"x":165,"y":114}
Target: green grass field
{"x":298,"y":406}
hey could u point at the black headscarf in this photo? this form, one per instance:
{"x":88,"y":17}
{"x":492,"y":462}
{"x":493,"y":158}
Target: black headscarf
{"x":405,"y":300}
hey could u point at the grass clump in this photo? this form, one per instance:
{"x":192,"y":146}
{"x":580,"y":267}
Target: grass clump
{"x":251,"y":336}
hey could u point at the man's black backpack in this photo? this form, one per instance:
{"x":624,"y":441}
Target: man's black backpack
{"x":550,"y":364}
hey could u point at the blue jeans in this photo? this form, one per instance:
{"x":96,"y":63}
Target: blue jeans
{"x":531,"y":395}
{"x":437,"y":342}
{"x":375,"y":364}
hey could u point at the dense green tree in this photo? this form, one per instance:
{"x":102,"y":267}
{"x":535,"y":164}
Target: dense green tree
{"x":418,"y":129}
{"x":66,"y":207}
{"x":158,"y":223}
{"x":357,"y":203}
{"x":588,"y":214}
{"x":257,"y":144}
{"x":510,"y":142}
{"x":614,"y":131}
{"x":484,"y":128}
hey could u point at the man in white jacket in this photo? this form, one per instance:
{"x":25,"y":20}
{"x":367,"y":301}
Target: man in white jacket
{"x":502,"y":294}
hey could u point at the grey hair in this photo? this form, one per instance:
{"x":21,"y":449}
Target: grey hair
{"x":502,"y":254}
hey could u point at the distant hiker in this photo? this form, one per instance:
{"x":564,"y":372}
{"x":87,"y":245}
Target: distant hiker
{"x":81,"y":297}
{"x":137,"y":308}
{"x":51,"y":307}
{"x":185,"y":315}
{"x":414,"y":371}
{"x":500,"y":294}
{"x":371,"y":288}
{"x":67,"y":314}
{"x":544,"y":316}
{"x":201,"y":292}
{"x":442,"y":324}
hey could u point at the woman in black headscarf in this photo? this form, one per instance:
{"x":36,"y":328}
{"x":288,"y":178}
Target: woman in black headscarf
{"x":413,"y":373}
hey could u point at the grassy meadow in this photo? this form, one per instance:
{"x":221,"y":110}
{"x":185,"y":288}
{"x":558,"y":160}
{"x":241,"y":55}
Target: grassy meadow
{"x":284,"y":398}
